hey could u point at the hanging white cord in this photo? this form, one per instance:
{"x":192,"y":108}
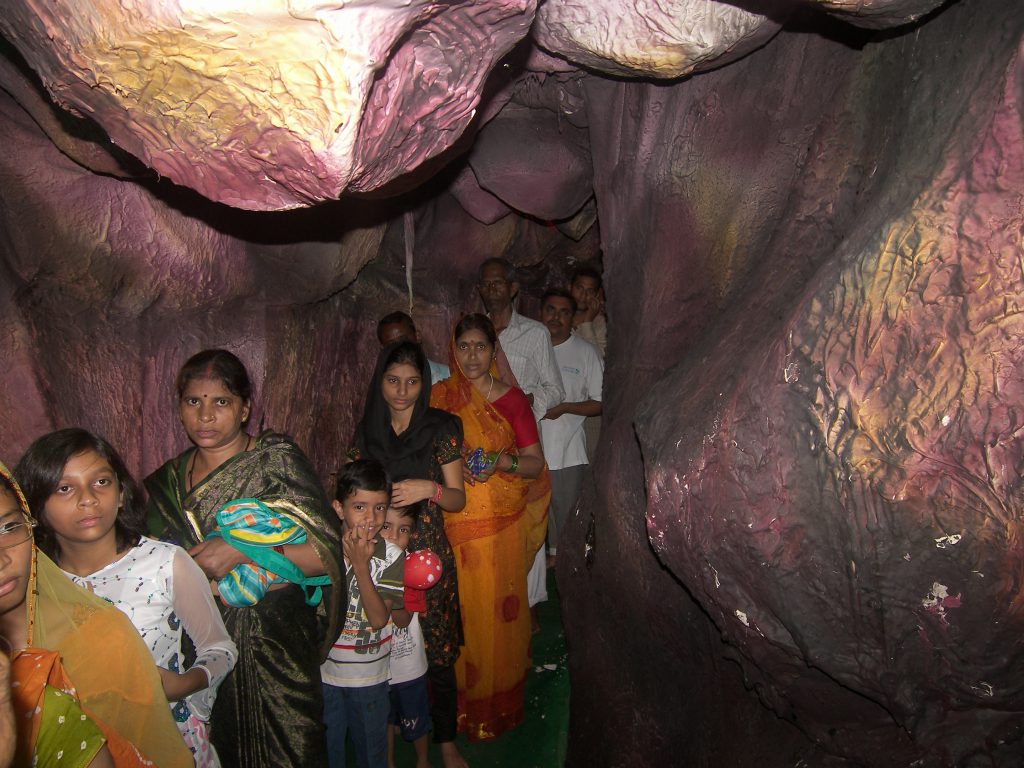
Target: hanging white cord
{"x":410,"y":238}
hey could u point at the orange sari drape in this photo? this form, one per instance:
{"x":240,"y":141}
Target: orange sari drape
{"x":495,"y":539}
{"x":34,"y":670}
{"x":79,"y":642}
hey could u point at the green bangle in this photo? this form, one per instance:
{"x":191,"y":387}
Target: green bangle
{"x":515,"y":464}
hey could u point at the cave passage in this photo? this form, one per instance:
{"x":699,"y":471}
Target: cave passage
{"x":799,"y":541}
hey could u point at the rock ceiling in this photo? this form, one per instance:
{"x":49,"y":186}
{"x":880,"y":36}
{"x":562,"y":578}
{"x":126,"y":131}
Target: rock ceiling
{"x":802,"y":542}
{"x":277,"y":104}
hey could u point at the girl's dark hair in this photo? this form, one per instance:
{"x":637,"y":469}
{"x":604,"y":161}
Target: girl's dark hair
{"x":216,"y":364}
{"x":42,"y":466}
{"x":406,"y":353}
{"x":477,"y":322}
{"x":362,"y":475}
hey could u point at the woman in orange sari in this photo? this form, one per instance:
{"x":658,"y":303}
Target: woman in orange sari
{"x":497,"y":534}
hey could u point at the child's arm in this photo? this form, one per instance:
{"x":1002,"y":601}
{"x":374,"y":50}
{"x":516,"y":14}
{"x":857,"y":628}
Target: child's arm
{"x":177,"y":686}
{"x":215,"y":651}
{"x":401,"y":617}
{"x":358,"y":550}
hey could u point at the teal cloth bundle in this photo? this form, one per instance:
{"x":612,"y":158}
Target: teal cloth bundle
{"x":254,"y":528}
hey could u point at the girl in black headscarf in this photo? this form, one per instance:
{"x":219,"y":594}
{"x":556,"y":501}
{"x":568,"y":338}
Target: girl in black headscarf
{"x":424,"y":446}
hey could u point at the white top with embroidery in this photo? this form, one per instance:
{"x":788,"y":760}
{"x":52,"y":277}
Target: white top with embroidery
{"x":161,"y":589}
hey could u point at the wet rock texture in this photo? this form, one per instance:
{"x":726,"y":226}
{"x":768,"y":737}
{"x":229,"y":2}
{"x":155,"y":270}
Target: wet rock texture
{"x":802,"y":542}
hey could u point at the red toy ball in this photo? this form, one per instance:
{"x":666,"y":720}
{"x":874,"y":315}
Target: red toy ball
{"x":422,"y":569}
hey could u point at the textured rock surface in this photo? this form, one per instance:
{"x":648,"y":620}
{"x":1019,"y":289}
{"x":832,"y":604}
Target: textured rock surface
{"x":651,"y":37}
{"x":802,"y":544}
{"x":274,"y":104}
{"x":880,"y":13}
{"x":535,"y":155}
{"x":671,"y":39}
{"x":822,"y":354}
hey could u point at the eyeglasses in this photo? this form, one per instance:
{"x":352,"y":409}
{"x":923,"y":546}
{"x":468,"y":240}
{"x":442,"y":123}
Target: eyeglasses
{"x":15,"y":532}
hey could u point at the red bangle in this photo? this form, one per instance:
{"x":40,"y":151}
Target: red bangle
{"x":438,"y":493}
{"x":279,"y":548}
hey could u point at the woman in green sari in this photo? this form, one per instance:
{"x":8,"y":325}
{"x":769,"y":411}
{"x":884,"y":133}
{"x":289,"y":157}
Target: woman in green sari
{"x":268,"y":711}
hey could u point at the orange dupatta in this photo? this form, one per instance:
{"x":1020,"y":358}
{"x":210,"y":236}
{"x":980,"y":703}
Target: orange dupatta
{"x":503,"y":499}
{"x":79,"y":642}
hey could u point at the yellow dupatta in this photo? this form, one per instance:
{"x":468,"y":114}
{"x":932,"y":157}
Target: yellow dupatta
{"x":81,"y":643}
{"x":503,"y":499}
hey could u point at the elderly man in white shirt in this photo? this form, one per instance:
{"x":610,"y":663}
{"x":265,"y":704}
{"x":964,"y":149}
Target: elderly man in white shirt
{"x":526,"y":343}
{"x":527,"y":346}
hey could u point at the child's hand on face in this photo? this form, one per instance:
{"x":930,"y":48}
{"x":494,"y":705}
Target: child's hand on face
{"x":357,"y":545}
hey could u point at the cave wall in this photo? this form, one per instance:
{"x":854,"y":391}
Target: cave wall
{"x":812,"y":259}
{"x":828,"y":282}
{"x":110,"y":283}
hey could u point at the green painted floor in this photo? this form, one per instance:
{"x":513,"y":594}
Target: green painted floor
{"x":540,"y":742}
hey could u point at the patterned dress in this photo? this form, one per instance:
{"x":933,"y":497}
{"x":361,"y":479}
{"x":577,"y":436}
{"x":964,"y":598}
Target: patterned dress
{"x":495,"y":538}
{"x":442,"y":623}
{"x":161,"y":590}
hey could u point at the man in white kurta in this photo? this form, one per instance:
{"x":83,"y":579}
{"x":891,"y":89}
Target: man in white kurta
{"x":562,"y":434}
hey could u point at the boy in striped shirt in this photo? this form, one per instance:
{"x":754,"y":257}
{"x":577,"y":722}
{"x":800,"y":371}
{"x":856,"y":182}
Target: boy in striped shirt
{"x":355,"y":675}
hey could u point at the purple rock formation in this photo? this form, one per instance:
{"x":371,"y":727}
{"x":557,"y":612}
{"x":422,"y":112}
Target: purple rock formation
{"x":535,"y":159}
{"x":654,"y":38}
{"x":823,"y":375}
{"x":278,"y":105}
{"x":270,"y":105}
{"x":880,"y":13}
{"x":802,"y":544}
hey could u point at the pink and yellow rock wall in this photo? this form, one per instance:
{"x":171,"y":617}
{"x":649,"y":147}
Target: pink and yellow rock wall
{"x":803,"y":541}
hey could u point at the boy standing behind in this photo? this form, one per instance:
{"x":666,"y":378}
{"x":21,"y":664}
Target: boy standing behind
{"x":410,"y":701}
{"x":355,"y":675}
